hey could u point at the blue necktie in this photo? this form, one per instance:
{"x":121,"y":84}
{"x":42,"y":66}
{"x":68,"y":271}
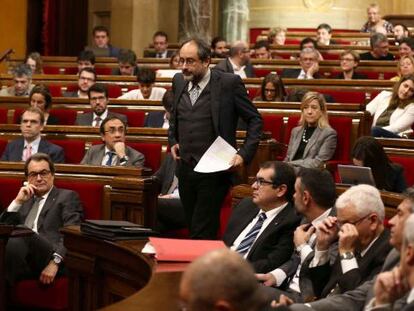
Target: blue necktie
{"x":110,"y":156}
{"x":248,"y":240}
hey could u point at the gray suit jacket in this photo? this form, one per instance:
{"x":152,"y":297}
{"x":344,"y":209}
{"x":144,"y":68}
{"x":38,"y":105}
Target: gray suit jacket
{"x":320,"y":148}
{"x":225,"y":65}
{"x":96,"y":153}
{"x":87,"y":118}
{"x":62,"y":208}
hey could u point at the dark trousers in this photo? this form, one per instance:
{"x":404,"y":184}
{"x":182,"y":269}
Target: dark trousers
{"x":202,"y":195}
{"x":26,"y":257}
{"x":378,"y":131}
{"x":170,"y":215}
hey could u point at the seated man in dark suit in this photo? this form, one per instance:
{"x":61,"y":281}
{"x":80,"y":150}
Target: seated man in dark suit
{"x":309,"y":62}
{"x":101,"y":46}
{"x":98,"y":99}
{"x":21,"y":149}
{"x":314,"y":198}
{"x":87,"y":78}
{"x":160,"y":42}
{"x":238,"y":61}
{"x":113,"y":152}
{"x":261,"y":228}
{"x":379,"y":48}
{"x":262,"y":50}
{"x":127,"y":64}
{"x":161,"y":118}
{"x":45,"y":209}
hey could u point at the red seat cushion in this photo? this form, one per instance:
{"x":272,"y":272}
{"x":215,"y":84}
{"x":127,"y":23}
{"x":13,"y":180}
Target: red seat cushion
{"x":74,"y":149}
{"x":31,"y":294}
{"x":152,"y":153}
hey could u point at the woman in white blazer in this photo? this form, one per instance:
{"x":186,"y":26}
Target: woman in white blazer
{"x":393,"y":112}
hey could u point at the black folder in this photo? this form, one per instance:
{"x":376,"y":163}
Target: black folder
{"x":116,"y":230}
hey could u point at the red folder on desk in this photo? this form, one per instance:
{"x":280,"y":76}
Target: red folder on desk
{"x":183,"y":250}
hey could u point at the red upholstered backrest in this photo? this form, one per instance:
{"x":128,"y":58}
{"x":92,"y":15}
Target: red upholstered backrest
{"x":49,"y":70}
{"x":252,"y":92}
{"x":114,"y":91}
{"x":133,"y":87}
{"x":261,"y":72}
{"x":343,"y":127}
{"x":3,"y":115}
{"x":136,"y":118}
{"x":103,"y":71}
{"x":90,"y":194}
{"x":292,"y":122}
{"x":65,"y":116}
{"x":408,"y":164}
{"x":72,"y":88}
{"x":152,"y":153}
{"x":274,"y":124}
{"x":225,"y":213}
{"x":71,"y":70}
{"x":345,"y":96}
{"x":9,"y":189}
{"x":17,"y":115}
{"x":55,"y":90}
{"x":74,"y":149}
{"x":3,"y":144}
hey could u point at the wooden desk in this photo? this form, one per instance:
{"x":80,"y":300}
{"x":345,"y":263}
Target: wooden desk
{"x":102,"y":273}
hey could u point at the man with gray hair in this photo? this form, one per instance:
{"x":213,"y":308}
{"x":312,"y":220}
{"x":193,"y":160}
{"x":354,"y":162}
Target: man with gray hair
{"x":238,"y":61}
{"x":309,"y":63}
{"x":220,"y":280}
{"x":22,"y":82}
{"x":379,"y":48}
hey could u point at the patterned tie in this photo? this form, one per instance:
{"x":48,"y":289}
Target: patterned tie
{"x":194,"y":93}
{"x":31,"y":217}
{"x":97,"y":121}
{"x":110,"y":156}
{"x":27,"y":152}
{"x":248,"y":240}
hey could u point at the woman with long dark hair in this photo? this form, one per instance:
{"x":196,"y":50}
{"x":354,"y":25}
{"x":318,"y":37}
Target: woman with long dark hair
{"x":272,"y":89}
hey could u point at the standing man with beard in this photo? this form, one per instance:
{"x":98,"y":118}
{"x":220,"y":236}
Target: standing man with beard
{"x":207,"y":104}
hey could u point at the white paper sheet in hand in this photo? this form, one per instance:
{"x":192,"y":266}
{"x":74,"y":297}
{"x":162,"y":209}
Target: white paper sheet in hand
{"x":217,"y":157}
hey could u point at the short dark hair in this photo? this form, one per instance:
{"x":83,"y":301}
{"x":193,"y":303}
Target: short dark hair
{"x":403,"y":26}
{"x":37,"y":111}
{"x":44,"y":91}
{"x":307,"y":40}
{"x":216,"y":40}
{"x":168,"y":100}
{"x":327,"y":27}
{"x":377,"y":38}
{"x":102,"y":127}
{"x":127,"y":57}
{"x":146,"y":75}
{"x":99,"y":88}
{"x":160,"y":33}
{"x":320,"y":185}
{"x":409,"y":41}
{"x":90,"y":70}
{"x":37,"y":157}
{"x":262,"y":44}
{"x":203,"y":50}
{"x":86,"y":56}
{"x":100,"y":28}
{"x":284,"y":174}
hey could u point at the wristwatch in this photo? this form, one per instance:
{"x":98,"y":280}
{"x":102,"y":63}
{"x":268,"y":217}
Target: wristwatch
{"x":123,"y":160}
{"x":347,"y":256}
{"x":57,"y":260}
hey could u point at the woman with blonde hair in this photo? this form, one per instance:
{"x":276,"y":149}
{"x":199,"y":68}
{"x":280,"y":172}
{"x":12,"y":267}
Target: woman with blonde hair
{"x":405,"y":67}
{"x":313,"y":142}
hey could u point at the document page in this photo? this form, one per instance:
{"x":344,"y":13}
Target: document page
{"x":217,"y":157}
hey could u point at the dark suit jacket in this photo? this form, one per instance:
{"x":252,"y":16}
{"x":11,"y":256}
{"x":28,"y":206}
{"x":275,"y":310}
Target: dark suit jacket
{"x":326,"y":277}
{"x":14,"y":151}
{"x":225,"y":66}
{"x":274,"y":246}
{"x":87,"y":118}
{"x":96,"y":153}
{"x":165,"y":174}
{"x":355,"y":75}
{"x":62,"y":208}
{"x":229,"y":101}
{"x":154,"y":54}
{"x":368,"y":56}
{"x":293,"y":73}
{"x":154,"y":119}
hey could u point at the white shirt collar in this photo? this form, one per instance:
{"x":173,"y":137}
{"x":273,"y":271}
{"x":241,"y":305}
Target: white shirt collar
{"x":410,"y":297}
{"x":321,"y":217}
{"x":34,"y":144}
{"x":203,"y":82}
{"x":274,"y":212}
{"x":102,"y":116}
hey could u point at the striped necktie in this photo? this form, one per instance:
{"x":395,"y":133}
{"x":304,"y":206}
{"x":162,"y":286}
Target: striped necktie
{"x":249,"y":239}
{"x":110,"y":157}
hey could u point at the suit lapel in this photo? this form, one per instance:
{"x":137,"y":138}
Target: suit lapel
{"x":100,"y":153}
{"x":296,"y":142}
{"x":312,"y":140}
{"x":43,"y":146}
{"x":46,"y":207}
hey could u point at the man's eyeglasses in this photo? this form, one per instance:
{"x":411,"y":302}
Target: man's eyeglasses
{"x":112,"y":130}
{"x":188,"y":61}
{"x":42,"y":174}
{"x":341,"y":223}
{"x":261,"y":182}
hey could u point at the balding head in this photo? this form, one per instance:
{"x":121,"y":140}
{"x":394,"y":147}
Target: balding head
{"x":220,"y":280}
{"x":240,"y":53}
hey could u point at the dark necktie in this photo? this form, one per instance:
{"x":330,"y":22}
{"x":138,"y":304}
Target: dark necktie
{"x":249,"y":239}
{"x":110,"y":157}
{"x":31,"y":217}
{"x":98,"y":121}
{"x":194,"y":93}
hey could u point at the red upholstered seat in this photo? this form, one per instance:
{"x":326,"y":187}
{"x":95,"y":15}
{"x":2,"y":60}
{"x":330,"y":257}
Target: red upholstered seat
{"x":252,"y":92}
{"x":103,"y":71}
{"x":408,"y":164}
{"x":152,"y":153}
{"x":71,"y":70}
{"x":3,"y":116}
{"x":65,"y":116}
{"x":74,"y":149}
{"x":114,"y":91}
{"x":273,"y":124}
{"x":344,"y":96}
{"x":49,"y":70}
{"x":136,"y":118}
{"x":261,"y":72}
{"x":343,"y":127}
{"x":55,"y":90}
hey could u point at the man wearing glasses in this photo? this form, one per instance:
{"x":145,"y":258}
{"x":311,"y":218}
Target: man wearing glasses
{"x":261,"y":228}
{"x":98,"y":99}
{"x":238,"y":61}
{"x":31,"y":142}
{"x":113,"y":152}
{"x":207,"y":104}
{"x":45,"y":209}
{"x":87,"y":78}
